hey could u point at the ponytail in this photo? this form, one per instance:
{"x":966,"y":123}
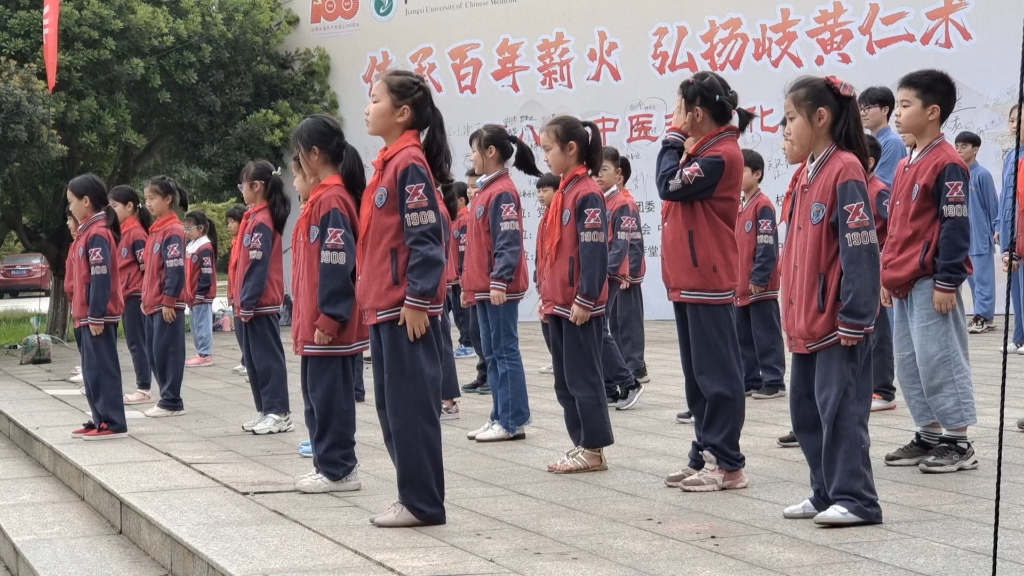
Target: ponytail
{"x":323,"y":131}
{"x":278,"y":202}
{"x":451,"y":199}
{"x":166,"y":186}
{"x":352,"y":173}
{"x":593,"y":154}
{"x":566,"y":129}
{"x":94,"y":188}
{"x":810,"y":93}
{"x":114,"y":223}
{"x":127,"y":195}
{"x":713,"y":93}
{"x":412,"y":90}
{"x":199,"y":218}
{"x":507,"y":146}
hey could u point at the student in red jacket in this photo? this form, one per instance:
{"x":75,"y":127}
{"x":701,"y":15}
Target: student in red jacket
{"x":69,"y":290}
{"x":700,"y":169}
{"x":883,"y":369}
{"x":626,"y":318}
{"x":259,"y":292}
{"x":926,"y":260}
{"x":234,"y":219}
{"x":495,"y":276}
{"x":135,"y":221}
{"x":449,"y":374}
{"x":573,"y":277}
{"x":830,"y":285}
{"x":621,"y":385}
{"x":402,"y":246}
{"x":164,"y":294}
{"x":201,"y":282}
{"x":97,"y":306}
{"x":327,"y":328}
{"x":457,"y":254}
{"x":758,"y":323}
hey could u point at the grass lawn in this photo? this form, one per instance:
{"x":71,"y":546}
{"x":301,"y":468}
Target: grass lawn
{"x":15,"y":326}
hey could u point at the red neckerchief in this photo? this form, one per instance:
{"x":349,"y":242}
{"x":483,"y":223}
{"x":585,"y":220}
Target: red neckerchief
{"x":164,"y":221}
{"x":128,"y":224}
{"x":408,"y":139}
{"x":551,"y":228}
{"x":314,"y":198}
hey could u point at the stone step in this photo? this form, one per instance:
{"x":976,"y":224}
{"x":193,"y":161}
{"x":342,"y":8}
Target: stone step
{"x":47,"y":530}
{"x":186,"y":520}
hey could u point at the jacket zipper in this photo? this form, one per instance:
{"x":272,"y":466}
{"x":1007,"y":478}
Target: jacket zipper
{"x":394,"y":266}
{"x":693,"y":249}
{"x":821,"y":293}
{"x":572,"y":271}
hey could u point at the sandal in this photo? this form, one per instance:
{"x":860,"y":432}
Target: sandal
{"x":572,"y":452}
{"x":579,"y":464}
{"x":138,"y":397}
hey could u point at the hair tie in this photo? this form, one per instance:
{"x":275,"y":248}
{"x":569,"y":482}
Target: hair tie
{"x":717,"y":97}
{"x":840,"y":87}
{"x":512,"y":138}
{"x":276,"y":172}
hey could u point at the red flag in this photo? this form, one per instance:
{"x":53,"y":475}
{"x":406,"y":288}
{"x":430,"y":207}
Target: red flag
{"x":51,"y":15}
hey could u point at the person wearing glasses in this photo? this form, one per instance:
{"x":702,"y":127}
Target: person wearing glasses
{"x":876,"y":106}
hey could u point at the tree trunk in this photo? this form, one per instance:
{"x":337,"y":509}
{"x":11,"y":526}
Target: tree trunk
{"x":57,"y":318}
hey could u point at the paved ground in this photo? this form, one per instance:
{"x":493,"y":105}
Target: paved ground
{"x":507,"y":515}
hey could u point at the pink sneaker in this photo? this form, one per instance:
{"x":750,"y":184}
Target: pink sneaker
{"x":199,"y":361}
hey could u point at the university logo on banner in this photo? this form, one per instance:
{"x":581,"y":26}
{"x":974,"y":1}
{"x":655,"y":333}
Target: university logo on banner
{"x":384,"y":10}
{"x":333,"y":17}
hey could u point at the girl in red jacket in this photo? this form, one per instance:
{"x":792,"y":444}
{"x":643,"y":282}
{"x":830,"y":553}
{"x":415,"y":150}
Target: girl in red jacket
{"x":327,"y":328}
{"x":573,"y":278}
{"x":259,"y":292}
{"x":699,"y":172}
{"x":69,"y":291}
{"x":201,"y":280}
{"x":402,"y":246}
{"x":131,"y":263}
{"x":97,"y":306}
{"x":234,"y":219}
{"x":495,"y":276}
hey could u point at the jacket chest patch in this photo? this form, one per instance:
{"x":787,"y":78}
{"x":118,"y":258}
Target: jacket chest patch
{"x":416,"y":197}
{"x":380,"y":197}
{"x":195,"y":258}
{"x":480,"y":211}
{"x":817,"y":212}
{"x":748,"y":226}
{"x":913,"y":195}
{"x":313,"y":233}
{"x":124,"y":252}
{"x":81,"y":250}
{"x":156,"y":248}
{"x":566,"y":214}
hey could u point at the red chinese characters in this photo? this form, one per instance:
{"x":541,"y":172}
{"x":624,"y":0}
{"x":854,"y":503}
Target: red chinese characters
{"x":762,"y":114}
{"x":508,"y":56}
{"x":832,"y":33}
{"x":777,"y":40}
{"x":726,"y":43}
{"x":875,"y":44}
{"x":641,"y":128}
{"x":423,"y":63}
{"x":606,"y":124}
{"x":555,"y":59}
{"x":943,"y":24}
{"x":603,"y":56}
{"x":664,"y":61}
{"x":466,"y":65}
{"x":377,"y":63}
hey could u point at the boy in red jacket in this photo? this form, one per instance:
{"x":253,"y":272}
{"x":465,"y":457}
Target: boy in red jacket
{"x":883,"y":396}
{"x":758,"y":323}
{"x":924,"y":263}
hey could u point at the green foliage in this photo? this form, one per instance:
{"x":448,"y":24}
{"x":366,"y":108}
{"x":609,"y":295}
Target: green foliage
{"x":10,"y":245}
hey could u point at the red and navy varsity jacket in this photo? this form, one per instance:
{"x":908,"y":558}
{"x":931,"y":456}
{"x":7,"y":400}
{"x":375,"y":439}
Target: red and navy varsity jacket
{"x":403,"y":248}
{"x":636,"y":254}
{"x":701,"y":190}
{"x":578,"y":270}
{"x":929,"y":230}
{"x":200,"y":271}
{"x":757,"y":239}
{"x":460,"y":229}
{"x":621,"y":227}
{"x":324,"y":274}
{"x":259,"y":272}
{"x":830,"y":272}
{"x":164,"y":281}
{"x":97,"y":299}
{"x":879,"y":193}
{"x":495,"y":257}
{"x":69,"y":272}
{"x":131,"y":261}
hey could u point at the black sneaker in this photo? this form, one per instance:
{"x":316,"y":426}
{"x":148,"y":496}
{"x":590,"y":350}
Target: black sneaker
{"x":614,"y":398}
{"x":360,"y":399}
{"x":788,"y":441}
{"x":628,"y":398}
{"x":685,"y":417}
{"x":910,"y":455}
{"x":768,"y":394}
{"x":949,"y":457}
{"x":642,"y":376}
{"x":484,"y":389}
{"x":473,"y":386}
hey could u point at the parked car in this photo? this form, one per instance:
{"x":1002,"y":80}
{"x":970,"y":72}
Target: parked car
{"x":24,"y":273}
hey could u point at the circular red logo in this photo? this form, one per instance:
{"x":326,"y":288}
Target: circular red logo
{"x":347,"y":9}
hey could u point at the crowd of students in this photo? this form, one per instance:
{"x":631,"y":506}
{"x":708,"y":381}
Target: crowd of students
{"x":878,"y":243}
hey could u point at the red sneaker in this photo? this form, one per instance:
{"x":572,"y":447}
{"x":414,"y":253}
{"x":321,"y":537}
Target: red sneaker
{"x":85,"y":429}
{"x":199,"y":361}
{"x":104,"y":433}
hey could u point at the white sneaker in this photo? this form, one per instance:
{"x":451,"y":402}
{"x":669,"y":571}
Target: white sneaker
{"x":1012,"y":348}
{"x":77,"y":379}
{"x":836,"y":515}
{"x":495,"y":434}
{"x":76,"y":370}
{"x":240,"y":369}
{"x":252,"y":422}
{"x":158,"y":412}
{"x":549,"y":369}
{"x":398,"y":517}
{"x":472,"y":435}
{"x":1020,"y":350}
{"x":802,"y":511}
{"x":389,"y":510}
{"x":879,"y":404}
{"x":273,"y":424}
{"x":317,"y":483}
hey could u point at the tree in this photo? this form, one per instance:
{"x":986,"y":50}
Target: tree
{"x":192,"y":88}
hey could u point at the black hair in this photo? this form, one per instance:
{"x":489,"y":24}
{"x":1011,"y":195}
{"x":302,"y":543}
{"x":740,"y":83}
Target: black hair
{"x":627,"y":169}
{"x":933,"y":88}
{"x":450,"y":199}
{"x":880,"y":96}
{"x":198,"y":217}
{"x":471,"y":173}
{"x":235,"y":213}
{"x":506,"y":145}
{"x":566,"y":129}
{"x":712,"y":93}
{"x":324,"y":132}
{"x":969,"y":138}
{"x":278,"y":202}
{"x":127,"y":195}
{"x":612,"y":156}
{"x":874,"y":150}
{"x":461,"y":191}
{"x":549,"y":180}
{"x":165,"y":186}
{"x":754,"y":161}
{"x":1014,"y":108}
{"x":809,"y":93}
{"x":94,"y":188}
{"x":412,"y":90}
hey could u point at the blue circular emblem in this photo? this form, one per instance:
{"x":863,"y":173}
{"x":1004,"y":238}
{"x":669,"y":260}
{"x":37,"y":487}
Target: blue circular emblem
{"x":480,"y":211}
{"x":156,"y":248}
{"x":566,"y":214}
{"x":124,"y":252}
{"x":913,"y":196}
{"x":817,"y":212}
{"x":380,"y":197}
{"x":246,"y":240}
{"x":81,"y":250}
{"x":195,"y":258}
{"x":748,"y":226}
{"x":313,"y":233}
{"x":455,"y":233}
